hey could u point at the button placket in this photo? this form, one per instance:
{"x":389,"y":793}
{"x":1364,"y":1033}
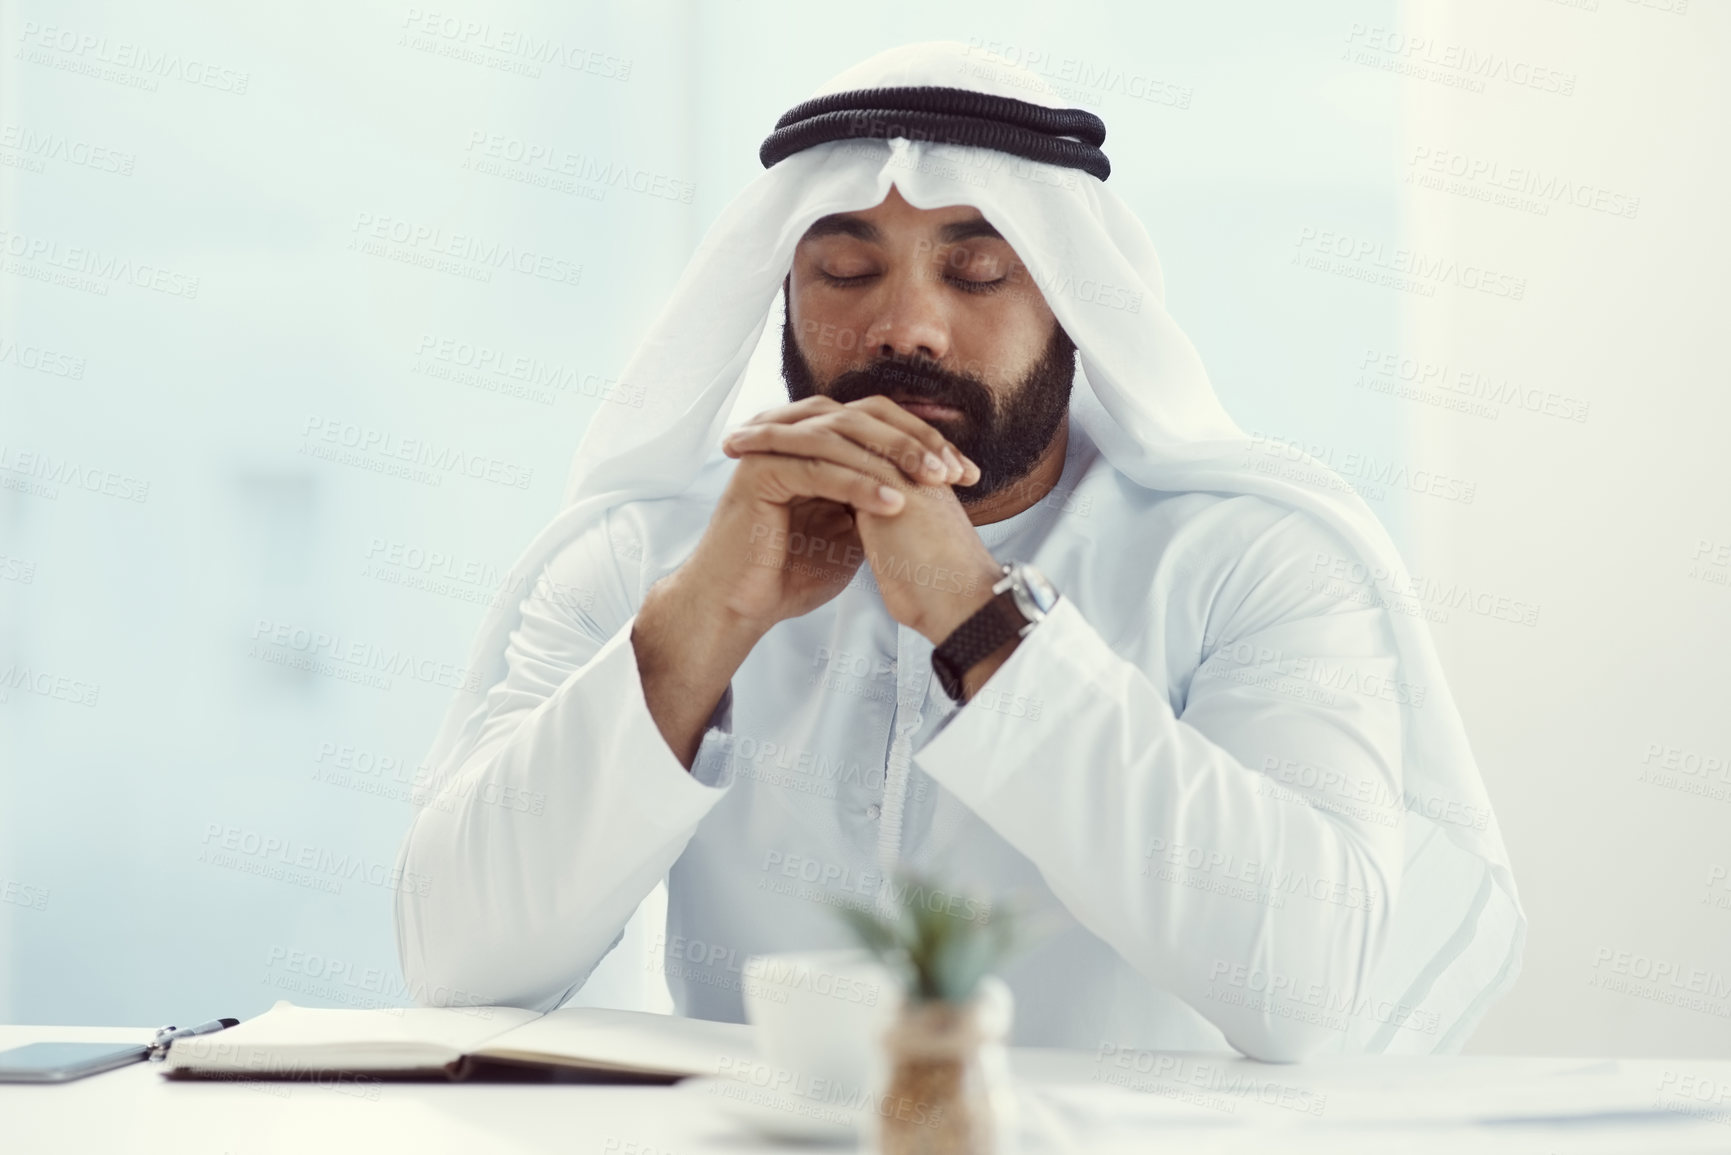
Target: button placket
{"x":908,"y":718}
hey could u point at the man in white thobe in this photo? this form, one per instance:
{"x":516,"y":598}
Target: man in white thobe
{"x":830,"y":653}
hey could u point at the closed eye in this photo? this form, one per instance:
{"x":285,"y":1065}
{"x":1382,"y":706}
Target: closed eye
{"x":842,"y":282}
{"x":967,"y":286}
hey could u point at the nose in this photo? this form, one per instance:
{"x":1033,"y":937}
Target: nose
{"x":910,"y":321}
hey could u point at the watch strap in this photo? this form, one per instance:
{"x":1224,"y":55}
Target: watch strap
{"x":970,"y":643}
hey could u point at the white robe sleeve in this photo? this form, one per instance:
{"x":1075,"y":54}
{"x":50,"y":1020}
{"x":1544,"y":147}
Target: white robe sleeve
{"x":538,"y":847}
{"x":1253,"y":831}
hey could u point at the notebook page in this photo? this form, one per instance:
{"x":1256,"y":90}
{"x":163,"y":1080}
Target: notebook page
{"x":625,"y":1041}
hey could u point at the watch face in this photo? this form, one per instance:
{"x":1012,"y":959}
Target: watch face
{"x":1040,"y":592}
{"x":1044,"y":595}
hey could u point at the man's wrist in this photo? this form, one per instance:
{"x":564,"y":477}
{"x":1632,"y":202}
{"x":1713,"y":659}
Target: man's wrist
{"x":687,"y":652}
{"x":951,"y":610}
{"x":705,"y":627}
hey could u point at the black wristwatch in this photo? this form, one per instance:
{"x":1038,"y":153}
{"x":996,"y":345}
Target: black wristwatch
{"x":1022,"y":598}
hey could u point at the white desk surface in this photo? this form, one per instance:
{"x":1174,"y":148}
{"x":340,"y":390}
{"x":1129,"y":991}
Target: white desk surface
{"x":1194,"y":1104}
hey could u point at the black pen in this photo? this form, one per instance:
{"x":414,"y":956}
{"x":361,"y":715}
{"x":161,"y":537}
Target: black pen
{"x":167,"y":1035}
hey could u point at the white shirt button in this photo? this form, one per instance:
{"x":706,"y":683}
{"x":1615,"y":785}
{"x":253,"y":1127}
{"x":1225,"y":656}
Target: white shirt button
{"x":873,"y":811}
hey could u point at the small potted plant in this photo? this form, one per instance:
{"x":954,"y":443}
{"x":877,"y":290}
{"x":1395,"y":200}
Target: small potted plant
{"x":946,"y":1084}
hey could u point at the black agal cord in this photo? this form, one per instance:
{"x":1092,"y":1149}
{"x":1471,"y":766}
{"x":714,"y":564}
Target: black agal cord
{"x":1067,"y":137}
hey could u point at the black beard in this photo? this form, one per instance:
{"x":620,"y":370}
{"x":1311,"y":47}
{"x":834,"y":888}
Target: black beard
{"x":1005,"y":435}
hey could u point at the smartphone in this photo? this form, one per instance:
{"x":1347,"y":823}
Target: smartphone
{"x":62,"y":1062}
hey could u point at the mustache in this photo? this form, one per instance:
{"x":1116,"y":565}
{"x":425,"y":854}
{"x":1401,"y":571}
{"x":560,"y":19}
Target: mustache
{"x":914,"y":378}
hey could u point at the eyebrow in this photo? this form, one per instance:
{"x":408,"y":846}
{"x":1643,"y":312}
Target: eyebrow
{"x":841,"y":224}
{"x":969,"y":230}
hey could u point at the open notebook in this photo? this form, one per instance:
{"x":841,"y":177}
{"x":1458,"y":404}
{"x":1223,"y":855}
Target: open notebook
{"x":289,"y":1041}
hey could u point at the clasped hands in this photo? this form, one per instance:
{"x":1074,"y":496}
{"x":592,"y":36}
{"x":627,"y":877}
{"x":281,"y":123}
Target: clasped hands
{"x":823,"y":487}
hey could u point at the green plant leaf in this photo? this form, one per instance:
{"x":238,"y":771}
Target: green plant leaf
{"x":943,"y":956}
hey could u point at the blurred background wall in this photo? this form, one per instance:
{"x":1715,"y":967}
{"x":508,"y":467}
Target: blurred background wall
{"x":235,"y":243}
{"x":1591,"y":413}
